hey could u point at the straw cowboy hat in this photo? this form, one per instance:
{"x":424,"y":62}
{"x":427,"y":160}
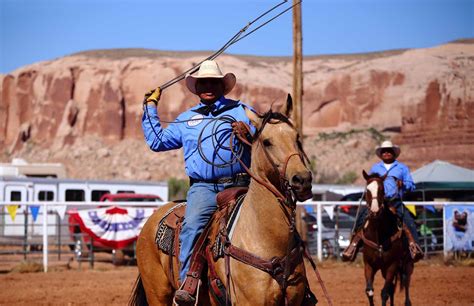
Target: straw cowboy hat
{"x":210,"y":69}
{"x":387,"y":145}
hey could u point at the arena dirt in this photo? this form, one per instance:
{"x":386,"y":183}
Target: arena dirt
{"x":433,"y":284}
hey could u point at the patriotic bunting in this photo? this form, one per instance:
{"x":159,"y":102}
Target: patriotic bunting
{"x":411,"y":208}
{"x":114,"y":227}
{"x":330,"y":211}
{"x":61,"y":210}
{"x":34,"y":211}
{"x":12,"y":210}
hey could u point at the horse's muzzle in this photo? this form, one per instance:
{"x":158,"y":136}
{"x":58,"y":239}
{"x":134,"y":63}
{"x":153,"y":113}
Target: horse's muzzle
{"x":301,"y":186}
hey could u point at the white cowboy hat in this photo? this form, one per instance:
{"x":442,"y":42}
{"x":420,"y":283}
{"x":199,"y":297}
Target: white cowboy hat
{"x":210,"y":69}
{"x":388,"y":145}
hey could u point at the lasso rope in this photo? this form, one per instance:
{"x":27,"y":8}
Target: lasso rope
{"x":237,"y":37}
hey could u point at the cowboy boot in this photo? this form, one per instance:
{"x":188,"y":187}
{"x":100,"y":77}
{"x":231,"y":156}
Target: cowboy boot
{"x":350,"y":253}
{"x":416,"y":252}
{"x":189,"y":289}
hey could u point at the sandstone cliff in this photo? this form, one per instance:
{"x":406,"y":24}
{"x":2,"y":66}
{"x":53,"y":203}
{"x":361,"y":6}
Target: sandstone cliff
{"x":85,"y":109}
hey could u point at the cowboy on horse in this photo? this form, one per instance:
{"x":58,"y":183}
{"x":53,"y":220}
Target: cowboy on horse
{"x":397,"y":181}
{"x":208,"y":165}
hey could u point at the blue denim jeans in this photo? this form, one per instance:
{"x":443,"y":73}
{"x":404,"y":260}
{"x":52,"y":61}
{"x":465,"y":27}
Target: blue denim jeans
{"x":201,"y":204}
{"x":402,"y":213}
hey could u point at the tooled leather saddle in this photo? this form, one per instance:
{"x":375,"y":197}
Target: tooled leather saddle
{"x":169,"y":228}
{"x":211,"y":246}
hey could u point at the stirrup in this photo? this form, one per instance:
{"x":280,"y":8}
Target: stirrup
{"x":416,"y":252}
{"x":350,"y":253}
{"x":184,"y":298}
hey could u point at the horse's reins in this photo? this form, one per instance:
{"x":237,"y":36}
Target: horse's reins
{"x":287,"y":200}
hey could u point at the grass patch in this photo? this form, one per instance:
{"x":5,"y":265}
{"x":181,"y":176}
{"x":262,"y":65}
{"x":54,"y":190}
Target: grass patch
{"x":27,"y":267}
{"x":466,"y":262}
{"x":374,"y":134}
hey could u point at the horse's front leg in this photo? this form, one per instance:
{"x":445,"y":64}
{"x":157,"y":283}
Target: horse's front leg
{"x":408,"y":270}
{"x":369,"y":281}
{"x":388,"y":289}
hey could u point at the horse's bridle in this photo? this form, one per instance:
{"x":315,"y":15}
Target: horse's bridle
{"x":286,"y":196}
{"x":380,"y":196}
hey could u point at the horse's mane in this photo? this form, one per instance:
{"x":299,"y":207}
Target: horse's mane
{"x":271,"y":115}
{"x":267,"y":117}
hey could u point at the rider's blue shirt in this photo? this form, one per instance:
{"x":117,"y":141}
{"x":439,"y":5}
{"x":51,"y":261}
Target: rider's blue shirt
{"x":187,"y":134}
{"x":397,"y":171}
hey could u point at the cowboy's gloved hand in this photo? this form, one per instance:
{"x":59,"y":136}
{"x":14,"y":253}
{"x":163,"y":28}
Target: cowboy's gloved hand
{"x":241,"y":130}
{"x":153,"y":96}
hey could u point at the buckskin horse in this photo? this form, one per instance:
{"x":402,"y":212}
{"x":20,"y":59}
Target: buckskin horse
{"x":384,"y":248}
{"x":260,"y":260}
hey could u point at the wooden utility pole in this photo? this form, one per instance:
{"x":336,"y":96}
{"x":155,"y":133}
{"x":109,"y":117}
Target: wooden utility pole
{"x":297,"y":68}
{"x":298,"y":98}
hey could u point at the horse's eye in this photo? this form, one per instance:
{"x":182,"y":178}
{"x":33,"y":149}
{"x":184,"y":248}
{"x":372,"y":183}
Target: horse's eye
{"x":267,"y":142}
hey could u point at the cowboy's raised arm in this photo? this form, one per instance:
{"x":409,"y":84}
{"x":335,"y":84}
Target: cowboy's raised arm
{"x":157,"y":138}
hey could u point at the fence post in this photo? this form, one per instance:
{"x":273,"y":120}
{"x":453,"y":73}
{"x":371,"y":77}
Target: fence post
{"x":320,"y":232}
{"x":445,"y":233}
{"x":25,"y":232}
{"x":336,"y":234}
{"x":45,"y":236}
{"x":425,"y":236}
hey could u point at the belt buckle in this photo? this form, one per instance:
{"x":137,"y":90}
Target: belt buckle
{"x":225,"y":180}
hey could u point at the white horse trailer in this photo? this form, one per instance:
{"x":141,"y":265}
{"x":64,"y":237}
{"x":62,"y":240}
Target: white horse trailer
{"x":30,"y":191}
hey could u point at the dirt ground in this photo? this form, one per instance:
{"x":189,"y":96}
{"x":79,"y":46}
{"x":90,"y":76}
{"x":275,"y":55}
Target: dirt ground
{"x":434,"y":283}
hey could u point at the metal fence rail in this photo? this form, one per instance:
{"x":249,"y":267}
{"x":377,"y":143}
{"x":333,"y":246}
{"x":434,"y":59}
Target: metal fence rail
{"x":432,"y":244}
{"x":50,"y":236}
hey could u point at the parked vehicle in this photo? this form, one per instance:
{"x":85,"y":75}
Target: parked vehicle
{"x":333,"y":239}
{"x":130,"y":197}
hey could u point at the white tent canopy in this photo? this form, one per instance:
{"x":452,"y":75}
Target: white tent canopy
{"x":441,"y":171}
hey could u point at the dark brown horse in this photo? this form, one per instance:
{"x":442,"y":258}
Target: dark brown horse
{"x":271,"y":270}
{"x":384,"y":246}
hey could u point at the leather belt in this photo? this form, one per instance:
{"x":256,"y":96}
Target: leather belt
{"x":223,"y":180}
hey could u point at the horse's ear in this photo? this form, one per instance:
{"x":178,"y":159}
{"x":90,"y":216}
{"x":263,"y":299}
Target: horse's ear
{"x":287,"y":108}
{"x":254,"y":118}
{"x":366,"y":176}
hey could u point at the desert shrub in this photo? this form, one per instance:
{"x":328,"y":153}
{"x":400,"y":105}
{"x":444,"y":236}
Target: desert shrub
{"x":348,"y":178}
{"x":178,"y":188}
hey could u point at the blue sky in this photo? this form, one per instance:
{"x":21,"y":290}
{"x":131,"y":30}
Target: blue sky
{"x":37,"y":30}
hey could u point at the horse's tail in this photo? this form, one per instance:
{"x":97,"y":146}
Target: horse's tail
{"x":138,"y":296}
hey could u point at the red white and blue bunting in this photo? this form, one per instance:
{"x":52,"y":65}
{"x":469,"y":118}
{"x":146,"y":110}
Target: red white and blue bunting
{"x":114,"y":227}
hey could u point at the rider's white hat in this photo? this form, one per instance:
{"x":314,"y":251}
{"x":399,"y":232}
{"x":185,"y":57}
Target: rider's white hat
{"x":210,"y":69}
{"x":388,"y":145}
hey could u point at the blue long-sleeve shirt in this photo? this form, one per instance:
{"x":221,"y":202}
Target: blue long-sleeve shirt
{"x":397,"y":171}
{"x":186,"y":134}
